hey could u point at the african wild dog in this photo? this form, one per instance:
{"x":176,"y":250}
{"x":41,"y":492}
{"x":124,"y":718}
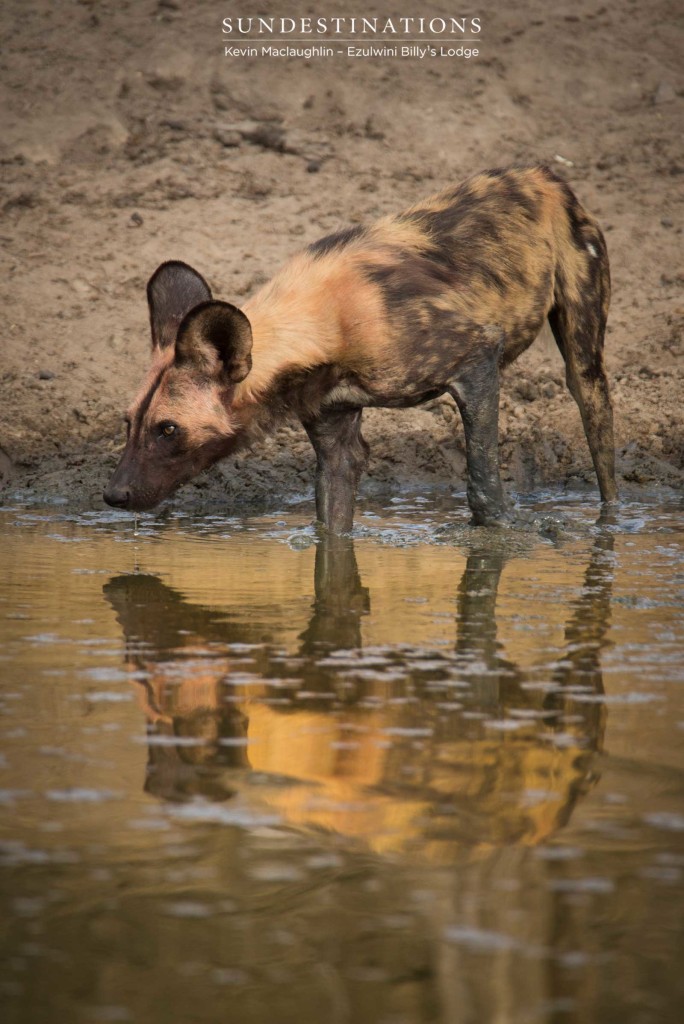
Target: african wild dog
{"x":434,"y":300}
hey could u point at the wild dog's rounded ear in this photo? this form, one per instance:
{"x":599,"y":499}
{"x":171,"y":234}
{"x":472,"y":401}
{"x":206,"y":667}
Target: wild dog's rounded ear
{"x":172,"y":291}
{"x":215,"y":339}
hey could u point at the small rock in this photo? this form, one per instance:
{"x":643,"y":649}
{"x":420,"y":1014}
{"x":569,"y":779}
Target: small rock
{"x":254,"y":188}
{"x":165,"y":83}
{"x":637,"y":476}
{"x":117,"y":340}
{"x":313,"y":166}
{"x":81,"y":287}
{"x":228,"y":137}
{"x":46,"y":375}
{"x":528,"y":390}
{"x":269,"y":135}
{"x":372,"y":131}
{"x":664,"y":93}
{"x":26,"y":200}
{"x":136,"y":221}
{"x":666,"y":222}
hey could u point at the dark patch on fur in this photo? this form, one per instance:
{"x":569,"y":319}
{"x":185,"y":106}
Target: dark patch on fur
{"x":411,"y":277}
{"x":577,"y":224}
{"x":146,"y":401}
{"x":498,"y":172}
{"x":578,"y":329}
{"x":445,"y":221}
{"x":331,"y":243}
{"x":467,"y":236}
{"x":454,"y":229}
{"x":526,"y":204}
{"x":297,"y":393}
{"x":550,"y":175}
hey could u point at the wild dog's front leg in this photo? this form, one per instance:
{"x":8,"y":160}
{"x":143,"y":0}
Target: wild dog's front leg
{"x":342,"y":456}
{"x":476,"y":392}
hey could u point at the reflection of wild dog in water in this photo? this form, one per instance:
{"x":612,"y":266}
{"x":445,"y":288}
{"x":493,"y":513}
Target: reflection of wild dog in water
{"x":433,"y":300}
{"x":220,"y":695}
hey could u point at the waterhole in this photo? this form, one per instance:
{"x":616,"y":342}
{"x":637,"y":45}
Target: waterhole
{"x":428,"y":774}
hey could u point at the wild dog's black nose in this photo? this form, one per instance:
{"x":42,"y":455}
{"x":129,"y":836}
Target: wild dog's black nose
{"x":117,"y":497}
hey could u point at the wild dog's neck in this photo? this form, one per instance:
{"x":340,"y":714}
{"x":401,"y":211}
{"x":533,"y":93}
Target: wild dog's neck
{"x":313,"y":323}
{"x":296,"y":325}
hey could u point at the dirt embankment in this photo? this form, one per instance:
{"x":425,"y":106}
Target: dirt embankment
{"x":128,"y":138}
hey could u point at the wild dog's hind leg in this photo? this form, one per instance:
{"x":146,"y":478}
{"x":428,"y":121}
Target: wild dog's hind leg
{"x":476,"y":392}
{"x":578,"y":323}
{"x":342,"y":456}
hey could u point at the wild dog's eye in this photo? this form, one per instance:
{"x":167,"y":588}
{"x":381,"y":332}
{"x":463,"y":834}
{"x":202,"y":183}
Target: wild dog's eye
{"x":167,"y":429}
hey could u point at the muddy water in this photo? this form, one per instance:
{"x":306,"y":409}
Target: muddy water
{"x":433,"y":775}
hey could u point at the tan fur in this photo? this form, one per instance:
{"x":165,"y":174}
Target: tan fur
{"x":312,"y":312}
{"x":203,"y":414}
{"x":179,"y":395}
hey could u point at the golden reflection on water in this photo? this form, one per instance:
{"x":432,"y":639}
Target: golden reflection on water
{"x":399,"y":747}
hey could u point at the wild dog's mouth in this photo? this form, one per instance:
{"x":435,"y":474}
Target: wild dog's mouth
{"x":141,"y":488}
{"x":122,"y":497}
{"x":122,"y":493}
{"x":140,"y":485}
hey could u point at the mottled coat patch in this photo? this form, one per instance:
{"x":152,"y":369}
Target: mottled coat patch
{"x":334,"y":242}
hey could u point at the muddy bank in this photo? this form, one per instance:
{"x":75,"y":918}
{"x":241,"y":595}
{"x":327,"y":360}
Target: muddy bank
{"x":128,"y":139}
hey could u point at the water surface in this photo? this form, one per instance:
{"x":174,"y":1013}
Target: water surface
{"x":433,"y":774}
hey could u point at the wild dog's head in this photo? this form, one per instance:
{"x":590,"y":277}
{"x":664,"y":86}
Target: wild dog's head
{"x":181,"y":421}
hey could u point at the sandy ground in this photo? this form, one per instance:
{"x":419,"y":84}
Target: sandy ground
{"x":119,"y":150}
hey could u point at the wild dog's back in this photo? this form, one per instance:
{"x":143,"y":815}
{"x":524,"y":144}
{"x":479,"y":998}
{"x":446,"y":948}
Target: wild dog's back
{"x":400,"y":302}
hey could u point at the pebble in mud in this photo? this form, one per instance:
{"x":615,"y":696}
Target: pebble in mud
{"x":228,"y":137}
{"x":665,"y":93}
